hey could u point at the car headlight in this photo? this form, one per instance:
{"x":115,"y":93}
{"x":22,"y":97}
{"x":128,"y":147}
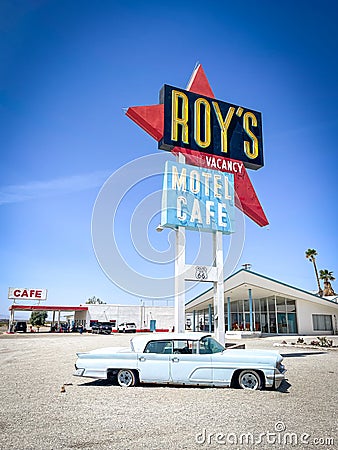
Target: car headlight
{"x":280,"y":367}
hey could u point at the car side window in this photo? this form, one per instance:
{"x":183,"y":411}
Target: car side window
{"x":209,"y":345}
{"x":186,"y":347}
{"x":163,"y":347}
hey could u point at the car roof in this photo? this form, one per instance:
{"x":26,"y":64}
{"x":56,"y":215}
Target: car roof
{"x":139,"y":342}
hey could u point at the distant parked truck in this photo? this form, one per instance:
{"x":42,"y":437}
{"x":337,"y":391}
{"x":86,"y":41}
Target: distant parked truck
{"x":127,"y":327}
{"x":102,"y":328}
{"x":21,"y":326}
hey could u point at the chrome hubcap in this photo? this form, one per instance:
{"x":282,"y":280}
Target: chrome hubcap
{"x":125,"y":378}
{"x":249,"y":381}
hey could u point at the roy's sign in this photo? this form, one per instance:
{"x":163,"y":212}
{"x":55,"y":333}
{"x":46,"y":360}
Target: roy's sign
{"x":209,"y":133}
{"x":27,"y":294}
{"x":197,"y":198}
{"x":196,"y":122}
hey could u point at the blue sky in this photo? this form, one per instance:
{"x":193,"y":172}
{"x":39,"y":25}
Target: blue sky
{"x":67,"y":70}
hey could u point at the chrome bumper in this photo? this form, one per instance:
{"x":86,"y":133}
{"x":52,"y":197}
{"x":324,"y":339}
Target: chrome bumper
{"x":279,"y":377}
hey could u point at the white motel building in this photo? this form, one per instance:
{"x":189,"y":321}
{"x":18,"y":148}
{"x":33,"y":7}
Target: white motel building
{"x":256,"y":303}
{"x":252,"y":302}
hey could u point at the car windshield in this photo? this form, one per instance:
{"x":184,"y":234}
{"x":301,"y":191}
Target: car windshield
{"x":209,"y":345}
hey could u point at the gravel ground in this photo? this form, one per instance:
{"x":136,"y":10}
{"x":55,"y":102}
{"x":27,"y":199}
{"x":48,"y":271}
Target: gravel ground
{"x":34,"y":414}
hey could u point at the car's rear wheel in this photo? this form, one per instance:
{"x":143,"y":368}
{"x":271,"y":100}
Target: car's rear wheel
{"x":126,"y":378}
{"x":249,"y":379}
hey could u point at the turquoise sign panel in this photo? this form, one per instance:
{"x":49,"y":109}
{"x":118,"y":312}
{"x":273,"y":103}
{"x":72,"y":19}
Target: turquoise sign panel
{"x":197,"y":198}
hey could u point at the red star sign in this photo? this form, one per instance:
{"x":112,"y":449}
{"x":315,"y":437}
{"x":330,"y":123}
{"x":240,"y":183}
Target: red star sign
{"x":151,"y":119}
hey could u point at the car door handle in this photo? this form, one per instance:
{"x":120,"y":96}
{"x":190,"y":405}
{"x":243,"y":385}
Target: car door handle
{"x":141,"y":358}
{"x":175,"y":359}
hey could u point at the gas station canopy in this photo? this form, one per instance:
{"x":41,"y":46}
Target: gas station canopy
{"x":46,"y":308}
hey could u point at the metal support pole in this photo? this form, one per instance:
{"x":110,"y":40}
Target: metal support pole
{"x":251,"y":310}
{"x":179,"y":273}
{"x":219,"y":324}
{"x":11,"y":321}
{"x":194,"y":320}
{"x":229,"y":315}
{"x":141,"y":320}
{"x":210,"y":317}
{"x":179,"y":281}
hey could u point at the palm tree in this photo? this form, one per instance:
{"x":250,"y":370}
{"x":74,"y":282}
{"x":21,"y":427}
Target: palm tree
{"x":311,"y":256}
{"x":327,"y":276}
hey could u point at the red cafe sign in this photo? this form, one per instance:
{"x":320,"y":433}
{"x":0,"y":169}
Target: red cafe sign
{"x":27,"y":294}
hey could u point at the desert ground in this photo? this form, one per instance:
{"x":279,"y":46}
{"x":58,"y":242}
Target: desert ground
{"x":91,"y":414}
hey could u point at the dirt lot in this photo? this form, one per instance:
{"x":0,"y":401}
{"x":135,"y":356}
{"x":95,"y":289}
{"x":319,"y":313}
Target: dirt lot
{"x":34,"y":414}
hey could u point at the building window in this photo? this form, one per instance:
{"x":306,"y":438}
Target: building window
{"x":280,"y":302}
{"x":290,"y":306}
{"x":274,"y":314}
{"x":322,"y":322}
{"x":234,"y":307}
{"x":246,"y":305}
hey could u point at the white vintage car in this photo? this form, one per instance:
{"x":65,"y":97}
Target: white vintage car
{"x":184,"y":359}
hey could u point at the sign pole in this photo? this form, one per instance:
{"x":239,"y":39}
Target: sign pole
{"x":180,"y":281}
{"x":193,"y":120}
{"x":219,"y":325}
{"x":179,"y":272}
{"x":11,"y":321}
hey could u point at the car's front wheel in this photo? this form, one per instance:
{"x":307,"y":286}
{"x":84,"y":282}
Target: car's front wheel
{"x":249,"y":379}
{"x":126,"y":378}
